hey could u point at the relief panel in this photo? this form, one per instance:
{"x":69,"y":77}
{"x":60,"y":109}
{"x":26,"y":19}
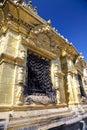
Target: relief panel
{"x":11,"y":44}
{"x":7,"y":83}
{"x":43,"y":41}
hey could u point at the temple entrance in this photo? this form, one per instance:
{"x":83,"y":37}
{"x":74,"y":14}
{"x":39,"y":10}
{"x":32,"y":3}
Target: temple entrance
{"x":38,"y":77}
{"x":81,"y":86}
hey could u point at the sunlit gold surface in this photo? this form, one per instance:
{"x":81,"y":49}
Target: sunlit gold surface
{"x":21,"y":30}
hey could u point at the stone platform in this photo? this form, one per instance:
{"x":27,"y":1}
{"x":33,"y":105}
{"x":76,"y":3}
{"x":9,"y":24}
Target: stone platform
{"x":44,"y":118}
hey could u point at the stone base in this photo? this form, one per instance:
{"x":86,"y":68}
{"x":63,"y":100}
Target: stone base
{"x":44,"y":118}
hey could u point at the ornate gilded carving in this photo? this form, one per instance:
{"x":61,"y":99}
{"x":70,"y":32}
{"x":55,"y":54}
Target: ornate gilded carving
{"x":43,"y":41}
{"x":43,"y":37}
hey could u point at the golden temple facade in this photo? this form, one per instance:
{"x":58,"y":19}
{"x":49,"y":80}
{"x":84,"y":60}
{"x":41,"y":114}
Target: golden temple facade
{"x":42,"y":84}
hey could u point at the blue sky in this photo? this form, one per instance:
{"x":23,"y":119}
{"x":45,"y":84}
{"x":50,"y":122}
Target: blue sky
{"x":69,"y":17}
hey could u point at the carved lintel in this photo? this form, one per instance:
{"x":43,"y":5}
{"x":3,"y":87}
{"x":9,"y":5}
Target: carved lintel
{"x":40,"y":51}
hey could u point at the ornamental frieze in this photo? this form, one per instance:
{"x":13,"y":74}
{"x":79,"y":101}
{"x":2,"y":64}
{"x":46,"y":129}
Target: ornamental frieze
{"x":80,"y":63}
{"x":44,"y":38}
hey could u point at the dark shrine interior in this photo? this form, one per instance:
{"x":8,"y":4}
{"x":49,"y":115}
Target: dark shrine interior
{"x":38,"y":75}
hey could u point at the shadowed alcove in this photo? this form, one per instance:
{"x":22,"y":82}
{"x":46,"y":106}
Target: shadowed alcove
{"x":39,"y":77}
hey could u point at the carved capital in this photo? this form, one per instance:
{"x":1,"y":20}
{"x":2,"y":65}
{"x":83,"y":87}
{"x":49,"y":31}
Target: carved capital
{"x":64,"y":53}
{"x":20,"y":75}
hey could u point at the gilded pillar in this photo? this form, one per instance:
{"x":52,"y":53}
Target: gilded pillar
{"x":19,"y":87}
{"x":57,"y":79}
{"x":57,"y":90}
{"x":76,"y":89}
{"x":54,"y":69}
{"x":20,"y":73}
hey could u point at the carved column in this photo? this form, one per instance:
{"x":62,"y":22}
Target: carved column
{"x":57,"y":80}
{"x":19,"y":87}
{"x":76,"y":89}
{"x":57,"y":84}
{"x":57,"y":90}
{"x":70,"y":88}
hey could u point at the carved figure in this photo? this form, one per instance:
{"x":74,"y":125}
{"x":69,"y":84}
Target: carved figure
{"x":19,"y":95}
{"x":44,"y":100}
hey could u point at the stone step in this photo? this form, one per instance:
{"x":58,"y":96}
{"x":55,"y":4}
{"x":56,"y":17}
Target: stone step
{"x":39,"y":117}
